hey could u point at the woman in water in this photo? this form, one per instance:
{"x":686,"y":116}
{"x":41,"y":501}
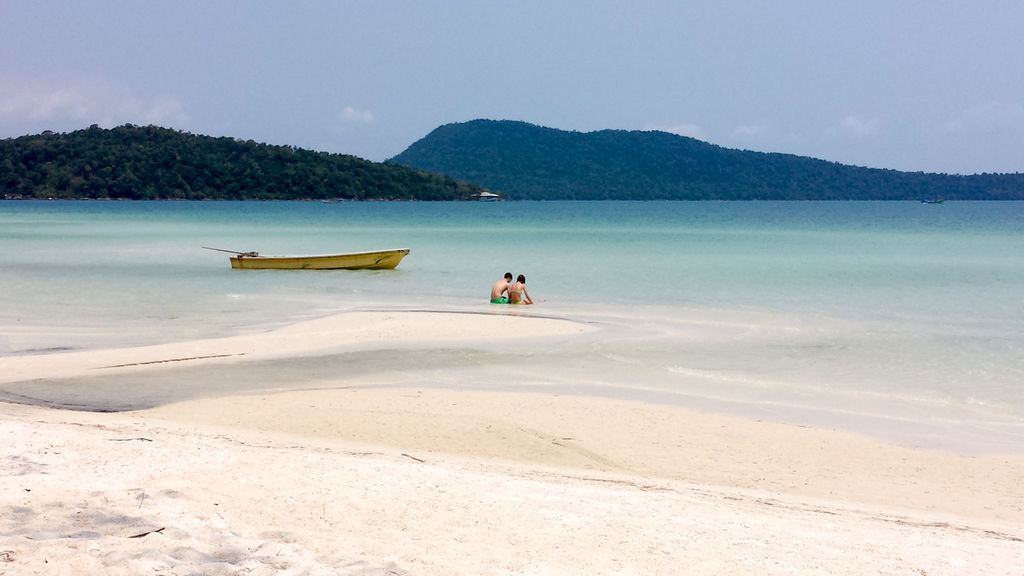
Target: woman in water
{"x":517,"y":293}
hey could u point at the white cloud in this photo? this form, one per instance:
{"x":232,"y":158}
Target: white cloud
{"x":748,"y":132}
{"x":352,"y":115}
{"x":87,"y":103}
{"x":42,"y":104}
{"x":859,"y":126}
{"x":989,"y":117}
{"x":161,"y":111}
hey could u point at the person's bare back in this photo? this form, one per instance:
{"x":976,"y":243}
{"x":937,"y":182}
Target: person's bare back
{"x":499,"y":292}
{"x":517,"y":293}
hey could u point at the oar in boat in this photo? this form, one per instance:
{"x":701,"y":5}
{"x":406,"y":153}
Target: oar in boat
{"x":232,"y":251}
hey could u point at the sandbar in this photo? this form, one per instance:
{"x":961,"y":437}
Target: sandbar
{"x":352,"y":476}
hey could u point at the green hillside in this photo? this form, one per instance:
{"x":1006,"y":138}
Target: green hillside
{"x":149,"y":163}
{"x":524,"y":161}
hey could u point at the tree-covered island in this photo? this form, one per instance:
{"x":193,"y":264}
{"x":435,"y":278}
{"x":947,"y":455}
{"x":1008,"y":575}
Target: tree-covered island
{"x":152,"y":163}
{"x":525,"y":161}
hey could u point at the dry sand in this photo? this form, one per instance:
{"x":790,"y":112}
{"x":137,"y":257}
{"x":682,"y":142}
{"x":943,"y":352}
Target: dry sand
{"x":350,"y":480}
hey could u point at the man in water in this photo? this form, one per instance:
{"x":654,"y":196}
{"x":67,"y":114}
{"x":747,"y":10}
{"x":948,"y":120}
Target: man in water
{"x":499,"y":292}
{"x":517,"y":293}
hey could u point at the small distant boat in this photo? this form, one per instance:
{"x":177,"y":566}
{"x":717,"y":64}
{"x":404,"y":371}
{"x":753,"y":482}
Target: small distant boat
{"x":488,"y":197}
{"x":927,"y":201}
{"x":375,"y":260}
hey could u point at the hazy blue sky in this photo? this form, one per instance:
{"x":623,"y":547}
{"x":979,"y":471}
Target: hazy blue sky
{"x":913,"y":85}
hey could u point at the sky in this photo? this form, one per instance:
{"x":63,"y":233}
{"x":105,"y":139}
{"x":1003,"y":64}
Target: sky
{"x":915,"y":85}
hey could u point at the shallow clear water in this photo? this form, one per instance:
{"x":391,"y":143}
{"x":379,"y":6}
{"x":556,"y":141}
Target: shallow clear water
{"x":888,"y":311}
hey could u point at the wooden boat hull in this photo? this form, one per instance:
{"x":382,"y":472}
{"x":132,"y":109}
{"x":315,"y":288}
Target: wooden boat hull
{"x":377,"y":260}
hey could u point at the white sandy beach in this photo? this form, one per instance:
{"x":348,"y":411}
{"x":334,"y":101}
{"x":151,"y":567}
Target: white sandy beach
{"x":353,"y":477}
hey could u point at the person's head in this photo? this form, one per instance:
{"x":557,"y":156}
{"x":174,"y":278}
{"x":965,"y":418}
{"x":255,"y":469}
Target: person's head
{"x":508,"y":276}
{"x":521,"y":279}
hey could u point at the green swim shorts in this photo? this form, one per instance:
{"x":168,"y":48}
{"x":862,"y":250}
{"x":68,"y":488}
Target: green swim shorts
{"x":500,"y":301}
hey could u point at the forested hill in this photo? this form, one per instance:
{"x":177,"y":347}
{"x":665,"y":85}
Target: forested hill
{"x":525,"y":161}
{"x":144,"y":163}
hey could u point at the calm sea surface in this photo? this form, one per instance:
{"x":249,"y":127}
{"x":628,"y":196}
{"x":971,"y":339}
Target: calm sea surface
{"x":882,"y":315}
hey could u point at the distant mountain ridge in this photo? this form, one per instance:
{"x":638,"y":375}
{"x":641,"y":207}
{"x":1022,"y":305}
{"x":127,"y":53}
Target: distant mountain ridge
{"x":528,"y":162}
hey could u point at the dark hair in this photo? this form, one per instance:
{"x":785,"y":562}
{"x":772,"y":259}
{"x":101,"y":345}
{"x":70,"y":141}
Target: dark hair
{"x":521,"y":279}
{"x":508,"y":275}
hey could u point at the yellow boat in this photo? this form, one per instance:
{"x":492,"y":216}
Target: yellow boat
{"x":375,"y":260}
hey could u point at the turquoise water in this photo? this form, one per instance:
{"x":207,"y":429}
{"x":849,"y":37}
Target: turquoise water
{"x":880,"y":313}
